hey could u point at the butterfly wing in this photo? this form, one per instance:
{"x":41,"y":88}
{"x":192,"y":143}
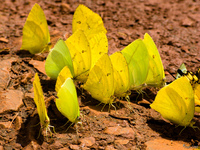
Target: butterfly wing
{"x":81,"y":55}
{"x":156,"y":75}
{"x":100,"y":82}
{"x":136,"y":55}
{"x":183,"y":69}
{"x":175,"y":102}
{"x":88,"y":21}
{"x":36,"y":37}
{"x":63,"y":75}
{"x":194,"y":79}
{"x":57,"y":59}
{"x":197,"y":93}
{"x":67,"y":102}
{"x":121,"y":74}
{"x":99,"y":46}
{"x":39,"y":101}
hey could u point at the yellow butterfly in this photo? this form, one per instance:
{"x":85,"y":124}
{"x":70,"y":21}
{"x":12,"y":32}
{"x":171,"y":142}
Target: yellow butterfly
{"x":57,"y":59}
{"x":63,"y":75}
{"x":156,"y":75}
{"x":175,"y":102}
{"x":197,"y":90}
{"x":41,"y":108}
{"x":137,"y":57}
{"x":100,"y":82}
{"x":88,"y":21}
{"x":98,"y":46}
{"x":197,"y":93}
{"x":121,"y":75}
{"x":79,"y":48}
{"x":67,"y":102}
{"x":36,"y":37}
{"x":195,"y":82}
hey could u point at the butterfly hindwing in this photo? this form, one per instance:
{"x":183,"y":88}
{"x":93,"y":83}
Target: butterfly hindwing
{"x":36,"y":37}
{"x":57,"y":59}
{"x":136,"y":55}
{"x":79,"y":48}
{"x":175,"y":102}
{"x":100,"y":82}
{"x":67,"y":102}
{"x":88,"y":21}
{"x":121,"y":74}
{"x":156,"y":75}
{"x":39,"y":101}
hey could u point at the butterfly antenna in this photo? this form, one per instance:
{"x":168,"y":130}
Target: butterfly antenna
{"x":39,"y":133}
{"x":99,"y":104}
{"x":103,"y":107}
{"x":113,"y":107}
{"x":64,"y":124}
{"x":182,"y":130}
{"x":35,"y":125}
{"x":129,"y":103}
{"x":69,"y":127}
{"x":172,"y":75}
{"x":76,"y":129}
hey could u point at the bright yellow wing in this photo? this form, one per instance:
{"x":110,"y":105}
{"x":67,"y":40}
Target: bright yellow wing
{"x":63,"y":75}
{"x":137,"y":58}
{"x":156,"y":75}
{"x":67,"y":102}
{"x":81,"y":55}
{"x":197,"y":93}
{"x":175,"y":102}
{"x":194,"y":80}
{"x":88,"y":21}
{"x":36,"y":37}
{"x":57,"y":59}
{"x":100,"y":82}
{"x":121,"y":74}
{"x":197,"y":89}
{"x":39,"y":101}
{"x":99,"y":46}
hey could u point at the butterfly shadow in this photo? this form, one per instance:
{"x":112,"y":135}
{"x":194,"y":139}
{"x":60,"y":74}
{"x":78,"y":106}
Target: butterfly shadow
{"x":60,"y":122}
{"x":24,"y":54}
{"x":27,"y":54}
{"x":143,"y":98}
{"x":30,"y":131}
{"x":170,"y":131}
{"x":48,"y":85}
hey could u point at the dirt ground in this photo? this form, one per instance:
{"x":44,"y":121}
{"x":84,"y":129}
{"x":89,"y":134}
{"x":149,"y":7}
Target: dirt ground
{"x":175,"y":27}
